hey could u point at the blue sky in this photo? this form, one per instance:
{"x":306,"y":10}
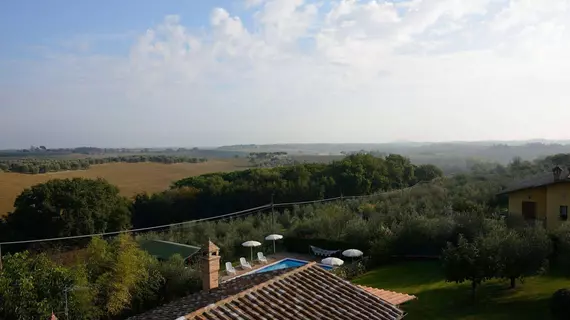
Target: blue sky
{"x":192,"y":73}
{"x":52,"y":23}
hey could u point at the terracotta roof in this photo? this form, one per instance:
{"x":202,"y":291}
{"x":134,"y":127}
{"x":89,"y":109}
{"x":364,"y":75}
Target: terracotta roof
{"x":307,"y":292}
{"x":540,"y":180}
{"x":201,"y":299}
{"x":394,"y":298}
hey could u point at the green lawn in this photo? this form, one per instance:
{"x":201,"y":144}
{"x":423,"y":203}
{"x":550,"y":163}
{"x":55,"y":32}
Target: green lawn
{"x":438,"y":299}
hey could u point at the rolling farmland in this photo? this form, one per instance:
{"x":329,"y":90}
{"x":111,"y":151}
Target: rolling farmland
{"x":131,"y":178}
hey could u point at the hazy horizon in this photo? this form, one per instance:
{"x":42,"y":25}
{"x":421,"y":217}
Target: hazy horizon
{"x":222,"y":72}
{"x":508,"y":142}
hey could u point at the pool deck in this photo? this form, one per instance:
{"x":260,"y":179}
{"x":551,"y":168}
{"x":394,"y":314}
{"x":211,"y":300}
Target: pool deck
{"x":270,"y":259}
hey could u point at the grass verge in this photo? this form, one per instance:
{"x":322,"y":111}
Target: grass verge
{"x":438,"y":299}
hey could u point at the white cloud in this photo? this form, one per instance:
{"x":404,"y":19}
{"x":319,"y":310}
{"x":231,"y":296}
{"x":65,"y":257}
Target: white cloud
{"x":253,"y":3}
{"x":521,"y":13}
{"x":337,"y":71}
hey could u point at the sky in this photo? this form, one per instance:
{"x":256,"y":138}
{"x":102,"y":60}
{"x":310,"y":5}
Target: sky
{"x":146,"y":73}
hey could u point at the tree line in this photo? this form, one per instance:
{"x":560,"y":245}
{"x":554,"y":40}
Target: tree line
{"x":269,"y":159}
{"x":38,"y":166}
{"x":86,"y":150}
{"x":214,"y":194}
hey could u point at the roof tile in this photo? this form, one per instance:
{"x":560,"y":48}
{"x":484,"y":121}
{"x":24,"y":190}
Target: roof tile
{"x":539,"y":180}
{"x":392,"y":297}
{"x":307,"y":292}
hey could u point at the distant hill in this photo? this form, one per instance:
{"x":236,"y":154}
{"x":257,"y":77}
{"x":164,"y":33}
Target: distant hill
{"x":524,"y":149}
{"x":450,"y":156}
{"x":91,"y":152}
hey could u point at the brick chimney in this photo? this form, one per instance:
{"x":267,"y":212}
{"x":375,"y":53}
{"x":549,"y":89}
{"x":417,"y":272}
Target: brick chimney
{"x":556,"y":172}
{"x":210,"y":266}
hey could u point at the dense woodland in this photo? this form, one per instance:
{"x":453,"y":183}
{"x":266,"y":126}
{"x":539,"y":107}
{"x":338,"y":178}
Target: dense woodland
{"x":37,"y":166}
{"x":456,"y":217}
{"x":214,"y":194}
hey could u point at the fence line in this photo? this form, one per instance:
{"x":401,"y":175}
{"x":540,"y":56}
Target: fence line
{"x":220,"y":217}
{"x":286,"y":204}
{"x":138,"y":229}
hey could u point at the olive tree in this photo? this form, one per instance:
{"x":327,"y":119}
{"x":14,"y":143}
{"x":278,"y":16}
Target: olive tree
{"x":475,"y":261}
{"x":523,"y":253}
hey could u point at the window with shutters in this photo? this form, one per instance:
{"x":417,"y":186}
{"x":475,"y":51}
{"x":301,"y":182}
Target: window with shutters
{"x":563,"y":213}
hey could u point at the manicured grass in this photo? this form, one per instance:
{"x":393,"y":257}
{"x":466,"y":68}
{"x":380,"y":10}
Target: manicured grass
{"x":438,"y":299}
{"x":131,"y":178}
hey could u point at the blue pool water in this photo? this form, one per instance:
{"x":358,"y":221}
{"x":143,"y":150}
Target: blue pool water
{"x":287,"y":263}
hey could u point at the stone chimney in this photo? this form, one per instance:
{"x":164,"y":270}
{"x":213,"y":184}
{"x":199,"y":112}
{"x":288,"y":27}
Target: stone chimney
{"x":556,"y":173}
{"x":210,"y":266}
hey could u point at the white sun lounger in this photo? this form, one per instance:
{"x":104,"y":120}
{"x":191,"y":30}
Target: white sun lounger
{"x":230,"y":269}
{"x":261,"y":257}
{"x":244,"y":264}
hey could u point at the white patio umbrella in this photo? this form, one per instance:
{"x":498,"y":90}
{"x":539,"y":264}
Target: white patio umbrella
{"x":352,"y":253}
{"x":273,"y":237}
{"x":251,"y":244}
{"x":332,"y":261}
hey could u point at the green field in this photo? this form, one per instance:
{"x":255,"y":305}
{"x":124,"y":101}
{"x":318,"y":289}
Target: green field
{"x":438,"y":299}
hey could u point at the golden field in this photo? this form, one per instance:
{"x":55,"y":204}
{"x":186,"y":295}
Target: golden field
{"x":131,"y":178}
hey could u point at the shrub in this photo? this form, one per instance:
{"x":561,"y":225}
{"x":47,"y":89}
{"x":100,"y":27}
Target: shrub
{"x":414,"y":234}
{"x":560,"y":304}
{"x":179,"y":279}
{"x":356,"y":231}
{"x":561,"y":242}
{"x":299,"y":245}
{"x":381,"y":247}
{"x":351,"y":270}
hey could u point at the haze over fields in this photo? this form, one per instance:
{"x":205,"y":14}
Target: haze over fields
{"x":171,"y":73}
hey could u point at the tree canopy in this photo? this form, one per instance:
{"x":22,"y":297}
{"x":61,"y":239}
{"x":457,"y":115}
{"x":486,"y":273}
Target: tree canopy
{"x":523,"y":253}
{"x":67,"y":207}
{"x":218,"y":193}
{"x":121,"y":273}
{"x":32,"y":286}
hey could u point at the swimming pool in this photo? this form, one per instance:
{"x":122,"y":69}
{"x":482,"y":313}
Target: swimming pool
{"x":287,"y":263}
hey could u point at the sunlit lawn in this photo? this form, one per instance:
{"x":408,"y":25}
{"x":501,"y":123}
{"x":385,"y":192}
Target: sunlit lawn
{"x":438,"y":299}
